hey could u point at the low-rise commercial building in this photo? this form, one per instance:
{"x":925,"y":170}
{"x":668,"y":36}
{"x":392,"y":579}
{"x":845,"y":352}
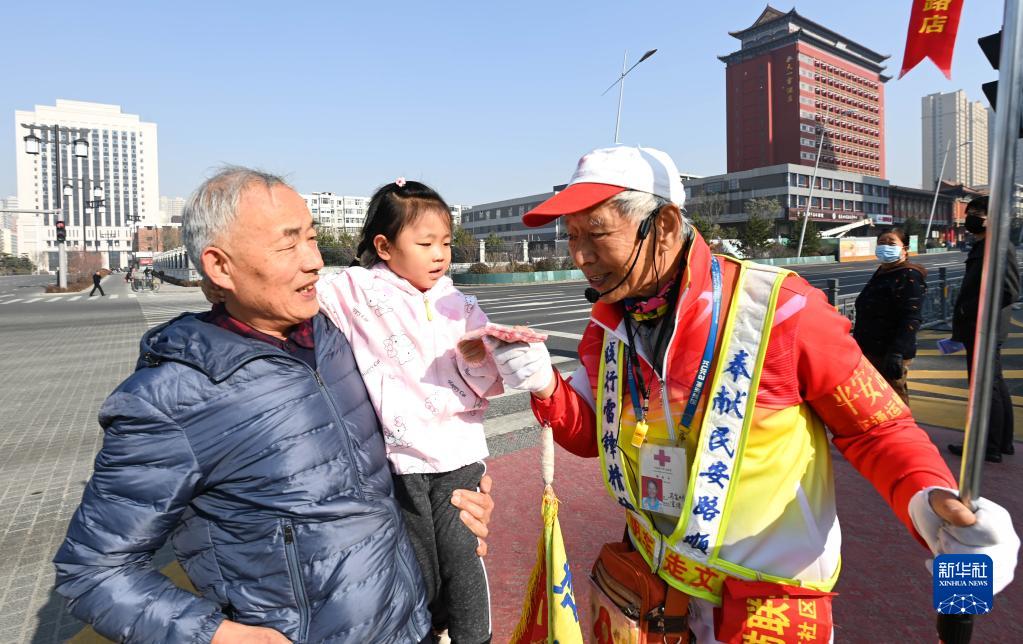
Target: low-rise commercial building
{"x":838,"y":197}
{"x":504,"y":219}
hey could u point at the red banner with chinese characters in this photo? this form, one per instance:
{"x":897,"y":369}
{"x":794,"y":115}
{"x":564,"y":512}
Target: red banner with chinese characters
{"x":932,"y":34}
{"x":756,"y":611}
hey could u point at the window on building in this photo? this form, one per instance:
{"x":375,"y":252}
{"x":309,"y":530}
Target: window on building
{"x":828,"y":205}
{"x":816,"y":202}
{"x":825,"y":183}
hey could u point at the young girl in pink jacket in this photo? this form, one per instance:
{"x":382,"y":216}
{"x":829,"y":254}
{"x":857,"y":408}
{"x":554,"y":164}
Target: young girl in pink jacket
{"x":403,"y":318}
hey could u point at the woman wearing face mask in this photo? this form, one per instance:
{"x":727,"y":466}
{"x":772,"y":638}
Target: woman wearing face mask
{"x":888,"y":310}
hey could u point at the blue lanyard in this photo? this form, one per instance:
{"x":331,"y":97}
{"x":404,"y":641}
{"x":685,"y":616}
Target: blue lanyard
{"x":708,"y":350}
{"x":640,"y":411}
{"x":708,"y":357}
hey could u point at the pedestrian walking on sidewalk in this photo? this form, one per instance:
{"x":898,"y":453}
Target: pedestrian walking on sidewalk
{"x":247,"y":434}
{"x":723,"y":379}
{"x":889,"y":310}
{"x":96,"y":278}
{"x":964,"y":329}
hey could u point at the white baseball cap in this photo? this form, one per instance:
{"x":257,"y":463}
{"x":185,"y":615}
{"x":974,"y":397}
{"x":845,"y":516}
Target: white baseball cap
{"x":605,"y":172}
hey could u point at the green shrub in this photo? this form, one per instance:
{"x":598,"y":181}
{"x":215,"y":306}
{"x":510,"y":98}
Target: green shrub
{"x":547,"y":264}
{"x":479,"y":269}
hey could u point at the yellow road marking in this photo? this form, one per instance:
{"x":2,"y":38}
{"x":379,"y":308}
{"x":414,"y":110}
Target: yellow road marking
{"x":962,"y":354}
{"x":932,"y":335}
{"x":956,"y":374}
{"x":942,"y":412}
{"x":955,"y":392}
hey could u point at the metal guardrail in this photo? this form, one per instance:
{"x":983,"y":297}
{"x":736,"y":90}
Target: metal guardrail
{"x":937,"y":306}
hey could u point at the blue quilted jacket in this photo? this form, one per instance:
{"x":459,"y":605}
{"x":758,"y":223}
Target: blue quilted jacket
{"x":271,"y":481}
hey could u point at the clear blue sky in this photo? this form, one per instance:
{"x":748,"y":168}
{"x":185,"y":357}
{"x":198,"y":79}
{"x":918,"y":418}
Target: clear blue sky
{"x":485,"y":102}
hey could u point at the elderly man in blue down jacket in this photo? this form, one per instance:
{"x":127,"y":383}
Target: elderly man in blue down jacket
{"x":246,"y":435}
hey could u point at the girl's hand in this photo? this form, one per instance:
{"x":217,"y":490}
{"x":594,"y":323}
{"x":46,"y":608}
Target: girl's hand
{"x":476,"y":508}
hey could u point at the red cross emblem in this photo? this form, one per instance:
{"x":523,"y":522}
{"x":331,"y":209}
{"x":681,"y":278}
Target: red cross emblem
{"x":661,"y":457}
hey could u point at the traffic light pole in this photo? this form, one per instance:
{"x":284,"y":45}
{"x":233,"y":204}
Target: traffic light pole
{"x":957,"y":628}
{"x":1003,"y":162}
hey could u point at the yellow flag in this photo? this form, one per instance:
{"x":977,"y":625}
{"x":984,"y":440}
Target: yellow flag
{"x":549,"y":613}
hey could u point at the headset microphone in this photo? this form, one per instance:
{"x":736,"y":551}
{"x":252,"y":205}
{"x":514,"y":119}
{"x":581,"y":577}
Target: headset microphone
{"x":591,"y":294}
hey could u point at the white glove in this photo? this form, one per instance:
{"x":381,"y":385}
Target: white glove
{"x":524,"y":366}
{"x":992,"y":534}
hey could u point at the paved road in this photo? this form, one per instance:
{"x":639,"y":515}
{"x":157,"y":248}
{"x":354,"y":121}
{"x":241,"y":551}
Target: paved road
{"x":60,"y":355}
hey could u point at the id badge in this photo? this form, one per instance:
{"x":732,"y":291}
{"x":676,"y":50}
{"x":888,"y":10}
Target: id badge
{"x":663,"y":478}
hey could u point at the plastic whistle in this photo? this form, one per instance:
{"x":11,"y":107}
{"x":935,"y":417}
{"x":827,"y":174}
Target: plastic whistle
{"x":639,"y":434}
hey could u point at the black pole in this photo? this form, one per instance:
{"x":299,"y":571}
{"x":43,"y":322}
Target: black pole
{"x":943,"y":285}
{"x":833,"y":292}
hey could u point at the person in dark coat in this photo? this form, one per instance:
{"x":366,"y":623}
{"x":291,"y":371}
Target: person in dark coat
{"x":964,"y":330}
{"x":246,"y":436}
{"x":889,"y":310}
{"x":96,"y":278}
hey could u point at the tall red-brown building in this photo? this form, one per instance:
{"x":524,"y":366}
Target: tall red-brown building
{"x":792,"y":80}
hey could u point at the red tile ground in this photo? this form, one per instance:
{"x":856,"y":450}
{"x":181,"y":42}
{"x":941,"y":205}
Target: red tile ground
{"x":885,"y":591}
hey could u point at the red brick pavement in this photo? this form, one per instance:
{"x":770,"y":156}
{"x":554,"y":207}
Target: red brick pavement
{"x":885,"y":591}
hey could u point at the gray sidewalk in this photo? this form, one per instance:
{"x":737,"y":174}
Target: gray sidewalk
{"x":57,"y":365}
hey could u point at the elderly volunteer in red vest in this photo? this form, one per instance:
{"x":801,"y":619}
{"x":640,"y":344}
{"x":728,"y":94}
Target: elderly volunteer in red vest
{"x":718,"y":380}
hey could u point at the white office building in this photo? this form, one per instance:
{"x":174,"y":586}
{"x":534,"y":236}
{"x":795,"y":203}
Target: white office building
{"x":9,"y":226}
{"x":952,"y":122}
{"x":456,"y":213}
{"x":170,"y":210}
{"x":504,"y":219}
{"x":120,"y":158}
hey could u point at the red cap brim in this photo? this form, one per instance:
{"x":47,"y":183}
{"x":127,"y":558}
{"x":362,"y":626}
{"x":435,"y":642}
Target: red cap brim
{"x":575,"y":198}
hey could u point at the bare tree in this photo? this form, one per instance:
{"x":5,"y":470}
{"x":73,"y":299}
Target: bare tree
{"x":706,"y":216}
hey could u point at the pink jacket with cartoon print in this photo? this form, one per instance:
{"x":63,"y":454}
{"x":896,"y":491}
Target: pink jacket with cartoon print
{"x":429,"y":401}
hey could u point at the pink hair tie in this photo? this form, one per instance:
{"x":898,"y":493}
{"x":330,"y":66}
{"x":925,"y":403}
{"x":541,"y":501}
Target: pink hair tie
{"x":400,"y":182}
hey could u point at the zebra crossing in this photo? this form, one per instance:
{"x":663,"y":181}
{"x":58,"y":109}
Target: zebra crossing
{"x":559,"y":310}
{"x":53,"y":298}
{"x":167,"y":306}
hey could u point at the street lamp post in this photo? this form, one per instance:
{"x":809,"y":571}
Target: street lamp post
{"x":809,"y":198}
{"x":98,"y":206}
{"x":79,"y":149}
{"x":134,"y":220}
{"x":937,"y":185}
{"x":621,"y":86}
{"x":813,"y":181}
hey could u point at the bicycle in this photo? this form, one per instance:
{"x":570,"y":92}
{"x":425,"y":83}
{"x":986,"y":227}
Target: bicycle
{"x":145,"y":283}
